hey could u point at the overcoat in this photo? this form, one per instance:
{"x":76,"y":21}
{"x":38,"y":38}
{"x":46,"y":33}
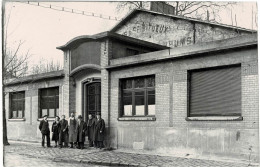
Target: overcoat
{"x":72,"y":130}
{"x":91,"y":128}
{"x":44,"y":127}
{"x":99,"y":126}
{"x":55,"y":130}
{"x":63,"y":125}
{"x":81,"y":129}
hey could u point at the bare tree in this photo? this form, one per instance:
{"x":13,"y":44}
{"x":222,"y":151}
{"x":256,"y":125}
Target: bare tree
{"x":45,"y":66}
{"x":196,"y":9}
{"x":14,"y":64}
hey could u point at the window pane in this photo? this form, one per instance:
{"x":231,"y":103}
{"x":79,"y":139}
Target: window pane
{"x":151,"y":102}
{"x":151,"y":82}
{"x":51,"y":112}
{"x":127,"y":100}
{"x":139,"y":83}
{"x":127,"y":84}
{"x":91,"y":89}
{"x":51,"y":105}
{"x":91,"y":102}
{"x":44,"y":112}
{"x":20,"y":114}
{"x":98,"y":102}
{"x":139,"y":103}
{"x":14,"y":114}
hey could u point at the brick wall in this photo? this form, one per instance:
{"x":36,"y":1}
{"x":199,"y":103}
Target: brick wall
{"x":171,"y":131}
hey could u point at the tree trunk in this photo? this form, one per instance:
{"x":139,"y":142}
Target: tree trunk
{"x":5,"y":140}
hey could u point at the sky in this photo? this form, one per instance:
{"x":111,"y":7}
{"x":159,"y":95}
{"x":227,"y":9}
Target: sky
{"x":43,"y":29}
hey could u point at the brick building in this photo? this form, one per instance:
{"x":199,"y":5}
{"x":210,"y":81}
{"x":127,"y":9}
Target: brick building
{"x":161,"y":82}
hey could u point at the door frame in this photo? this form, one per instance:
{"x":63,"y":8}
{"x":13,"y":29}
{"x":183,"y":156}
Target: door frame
{"x":84,"y":85}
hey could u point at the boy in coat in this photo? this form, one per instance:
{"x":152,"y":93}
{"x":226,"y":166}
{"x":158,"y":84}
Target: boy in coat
{"x":44,"y":128}
{"x":81,"y":128}
{"x":63,"y":132}
{"x":90,"y":130}
{"x":99,"y":133}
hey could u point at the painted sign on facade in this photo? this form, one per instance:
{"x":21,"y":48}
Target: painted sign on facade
{"x":173,"y":32}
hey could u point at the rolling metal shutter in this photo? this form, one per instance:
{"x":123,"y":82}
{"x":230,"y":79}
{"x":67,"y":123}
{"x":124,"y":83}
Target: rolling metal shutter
{"x":215,"y":92}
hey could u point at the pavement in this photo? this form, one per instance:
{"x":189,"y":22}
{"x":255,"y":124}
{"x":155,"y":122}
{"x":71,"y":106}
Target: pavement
{"x":32,"y":154}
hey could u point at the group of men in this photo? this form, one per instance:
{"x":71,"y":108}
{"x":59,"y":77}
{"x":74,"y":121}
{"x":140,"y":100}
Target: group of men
{"x":74,"y":131}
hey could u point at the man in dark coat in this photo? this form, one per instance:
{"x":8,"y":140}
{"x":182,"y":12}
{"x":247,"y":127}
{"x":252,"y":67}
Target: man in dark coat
{"x":99,"y":133}
{"x":90,"y":129}
{"x":72,"y":130}
{"x":81,"y":128}
{"x":63,"y":132}
{"x":44,"y":128}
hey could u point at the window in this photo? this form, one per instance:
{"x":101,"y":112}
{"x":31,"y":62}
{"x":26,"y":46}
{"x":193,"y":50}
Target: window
{"x":138,"y":96}
{"x":49,"y":102}
{"x":215,"y":91}
{"x":17,"y":106}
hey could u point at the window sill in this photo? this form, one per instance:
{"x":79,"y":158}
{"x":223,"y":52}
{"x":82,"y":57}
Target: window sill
{"x":49,"y":119}
{"x":223,"y":118}
{"x":16,"y":119}
{"x":136,"y":119}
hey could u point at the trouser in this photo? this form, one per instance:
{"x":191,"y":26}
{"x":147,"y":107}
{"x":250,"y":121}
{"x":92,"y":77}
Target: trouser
{"x":72,"y":144}
{"x":81,"y":145}
{"x":99,"y":144}
{"x":48,"y":139}
{"x":90,"y":143}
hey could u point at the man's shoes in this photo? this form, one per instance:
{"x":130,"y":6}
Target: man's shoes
{"x":48,"y":146}
{"x":43,"y":147}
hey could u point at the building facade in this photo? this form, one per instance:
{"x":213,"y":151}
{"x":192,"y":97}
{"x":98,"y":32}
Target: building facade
{"x":161,"y":82}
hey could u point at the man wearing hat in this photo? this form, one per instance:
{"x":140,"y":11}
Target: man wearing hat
{"x":81,"y":129}
{"x":44,"y":128}
{"x":99,"y":133}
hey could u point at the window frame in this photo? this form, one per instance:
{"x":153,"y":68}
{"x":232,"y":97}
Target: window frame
{"x":133,"y":90}
{"x":11,"y":105}
{"x":56,"y":100}
{"x":207,"y":117}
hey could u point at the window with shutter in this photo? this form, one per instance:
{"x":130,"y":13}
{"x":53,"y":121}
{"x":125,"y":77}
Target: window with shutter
{"x":215,"y":91}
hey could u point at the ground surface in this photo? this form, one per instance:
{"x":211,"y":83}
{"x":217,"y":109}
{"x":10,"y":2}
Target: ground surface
{"x":31,"y":155}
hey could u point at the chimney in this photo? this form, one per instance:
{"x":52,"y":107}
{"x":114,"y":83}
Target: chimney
{"x":162,"y":7}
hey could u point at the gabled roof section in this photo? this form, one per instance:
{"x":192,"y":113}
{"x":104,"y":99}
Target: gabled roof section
{"x":85,"y":38}
{"x":136,"y":11}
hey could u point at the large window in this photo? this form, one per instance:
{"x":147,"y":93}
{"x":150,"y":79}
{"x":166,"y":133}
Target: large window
{"x":138,"y":96}
{"x":17,"y":105}
{"x":49,"y":102}
{"x":215,"y":91}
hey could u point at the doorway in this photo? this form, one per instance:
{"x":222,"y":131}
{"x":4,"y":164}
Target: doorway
{"x":92,"y":99}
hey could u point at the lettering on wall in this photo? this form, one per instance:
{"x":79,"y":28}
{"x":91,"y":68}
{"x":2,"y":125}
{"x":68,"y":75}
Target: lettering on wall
{"x":177,"y":42}
{"x":173,"y":32}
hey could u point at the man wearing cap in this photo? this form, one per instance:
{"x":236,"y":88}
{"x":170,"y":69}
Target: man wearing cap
{"x":44,"y":128}
{"x":81,"y":128}
{"x":99,"y":133}
{"x":91,"y":129}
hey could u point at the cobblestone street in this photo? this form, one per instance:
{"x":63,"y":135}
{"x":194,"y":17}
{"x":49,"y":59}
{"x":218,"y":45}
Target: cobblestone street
{"x":30,"y":155}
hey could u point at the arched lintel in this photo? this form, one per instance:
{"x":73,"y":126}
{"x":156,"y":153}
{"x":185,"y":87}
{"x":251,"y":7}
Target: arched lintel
{"x":85,"y":66}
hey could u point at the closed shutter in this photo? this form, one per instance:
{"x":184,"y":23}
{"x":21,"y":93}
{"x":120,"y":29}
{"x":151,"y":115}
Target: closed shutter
{"x":215,"y":92}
